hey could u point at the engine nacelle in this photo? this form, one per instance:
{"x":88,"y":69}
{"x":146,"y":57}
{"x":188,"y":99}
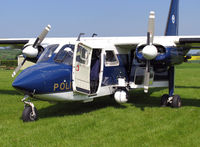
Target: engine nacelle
{"x":120,"y":96}
{"x":150,"y":52}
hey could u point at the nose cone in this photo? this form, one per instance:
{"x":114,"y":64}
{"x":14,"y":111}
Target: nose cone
{"x":28,"y":81}
{"x":41,"y":78}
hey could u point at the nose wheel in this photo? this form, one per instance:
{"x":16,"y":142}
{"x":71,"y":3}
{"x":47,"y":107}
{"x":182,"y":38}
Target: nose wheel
{"x":30,"y":112}
{"x":174,"y":101}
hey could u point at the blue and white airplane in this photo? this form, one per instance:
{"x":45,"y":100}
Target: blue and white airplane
{"x":81,"y":69}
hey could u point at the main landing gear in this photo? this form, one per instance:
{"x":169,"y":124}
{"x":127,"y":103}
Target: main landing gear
{"x":30,"y":112}
{"x":173,"y":101}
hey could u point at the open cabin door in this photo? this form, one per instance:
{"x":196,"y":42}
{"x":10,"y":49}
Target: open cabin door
{"x":81,"y":68}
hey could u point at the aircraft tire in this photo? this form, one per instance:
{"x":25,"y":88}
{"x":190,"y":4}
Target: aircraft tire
{"x":164,"y":99}
{"x":176,"y":102}
{"x":27,"y":114}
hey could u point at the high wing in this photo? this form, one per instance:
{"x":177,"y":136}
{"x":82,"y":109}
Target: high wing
{"x":191,"y":42}
{"x":14,"y":41}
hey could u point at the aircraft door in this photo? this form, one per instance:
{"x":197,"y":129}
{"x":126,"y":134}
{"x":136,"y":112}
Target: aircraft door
{"x":81,"y":68}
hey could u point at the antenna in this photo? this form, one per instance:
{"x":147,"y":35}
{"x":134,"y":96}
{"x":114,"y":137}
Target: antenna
{"x":79,"y":36}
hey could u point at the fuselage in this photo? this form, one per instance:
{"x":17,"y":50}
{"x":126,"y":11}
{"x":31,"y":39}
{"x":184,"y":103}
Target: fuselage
{"x":52,"y":77}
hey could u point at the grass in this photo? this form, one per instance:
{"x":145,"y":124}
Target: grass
{"x":140,"y":122}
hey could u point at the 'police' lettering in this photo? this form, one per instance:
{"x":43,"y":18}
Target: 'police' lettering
{"x":62,"y":86}
{"x":55,"y":86}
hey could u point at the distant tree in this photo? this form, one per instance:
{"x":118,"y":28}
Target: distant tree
{"x":9,"y":54}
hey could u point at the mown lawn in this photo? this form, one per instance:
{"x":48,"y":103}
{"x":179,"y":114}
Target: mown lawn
{"x":140,"y":122}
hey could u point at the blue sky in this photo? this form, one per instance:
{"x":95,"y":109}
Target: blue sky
{"x":26,"y":18}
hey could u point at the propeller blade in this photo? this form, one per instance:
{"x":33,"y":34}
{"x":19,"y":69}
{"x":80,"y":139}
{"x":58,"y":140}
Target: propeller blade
{"x":18,"y":68}
{"x":149,"y":52}
{"x":148,"y":38}
{"x":41,"y":37}
{"x":151,"y":26}
{"x":147,"y":77}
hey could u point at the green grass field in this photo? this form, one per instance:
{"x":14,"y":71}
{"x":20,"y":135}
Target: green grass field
{"x":140,"y":122}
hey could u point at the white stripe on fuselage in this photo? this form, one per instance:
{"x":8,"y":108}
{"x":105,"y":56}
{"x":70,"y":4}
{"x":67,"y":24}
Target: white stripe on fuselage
{"x":74,"y":96}
{"x":103,"y":91}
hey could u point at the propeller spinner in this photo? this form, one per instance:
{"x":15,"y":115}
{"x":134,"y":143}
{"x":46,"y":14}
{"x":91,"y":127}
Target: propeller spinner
{"x":32,"y":51}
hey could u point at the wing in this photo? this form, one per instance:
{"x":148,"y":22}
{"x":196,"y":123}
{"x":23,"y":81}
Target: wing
{"x":127,"y":44}
{"x":191,"y":42}
{"x":14,"y":41}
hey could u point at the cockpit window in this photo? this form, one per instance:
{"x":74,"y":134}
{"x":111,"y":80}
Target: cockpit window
{"x":48,"y":52}
{"x":65,"y":55}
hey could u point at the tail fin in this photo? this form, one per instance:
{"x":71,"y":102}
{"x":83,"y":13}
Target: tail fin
{"x":173,"y":19}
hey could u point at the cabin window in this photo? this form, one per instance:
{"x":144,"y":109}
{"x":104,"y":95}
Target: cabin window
{"x":65,"y":54}
{"x":82,"y":55}
{"x":48,"y":52}
{"x":111,"y":59}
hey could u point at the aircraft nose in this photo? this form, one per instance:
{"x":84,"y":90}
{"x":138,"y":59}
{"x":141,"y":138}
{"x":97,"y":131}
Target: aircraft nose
{"x":29,"y":81}
{"x":44,"y":78}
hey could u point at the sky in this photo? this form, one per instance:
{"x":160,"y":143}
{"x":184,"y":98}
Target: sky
{"x":68,"y":18}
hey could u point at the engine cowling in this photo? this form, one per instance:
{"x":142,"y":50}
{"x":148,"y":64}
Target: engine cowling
{"x":150,"y":52}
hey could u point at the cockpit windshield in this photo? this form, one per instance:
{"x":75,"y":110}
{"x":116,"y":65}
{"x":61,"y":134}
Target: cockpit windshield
{"x":48,"y":52}
{"x":65,"y":54}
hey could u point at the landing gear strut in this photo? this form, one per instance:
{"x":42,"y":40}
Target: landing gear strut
{"x":173,"y":101}
{"x":30,"y":112}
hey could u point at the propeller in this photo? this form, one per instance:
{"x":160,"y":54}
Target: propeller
{"x":32,"y":51}
{"x":149,"y":52}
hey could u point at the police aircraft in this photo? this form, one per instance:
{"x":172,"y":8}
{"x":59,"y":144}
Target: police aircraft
{"x":84,"y":68}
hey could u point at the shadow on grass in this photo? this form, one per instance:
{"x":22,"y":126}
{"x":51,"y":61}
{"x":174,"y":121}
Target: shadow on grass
{"x":193,"y":87}
{"x":190,"y":102}
{"x":77,"y":108}
{"x":9,"y":92}
{"x":137,"y":98}
{"x":142,"y":100}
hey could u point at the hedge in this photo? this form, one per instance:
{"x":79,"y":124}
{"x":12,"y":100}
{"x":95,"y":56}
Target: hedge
{"x":8,"y":63}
